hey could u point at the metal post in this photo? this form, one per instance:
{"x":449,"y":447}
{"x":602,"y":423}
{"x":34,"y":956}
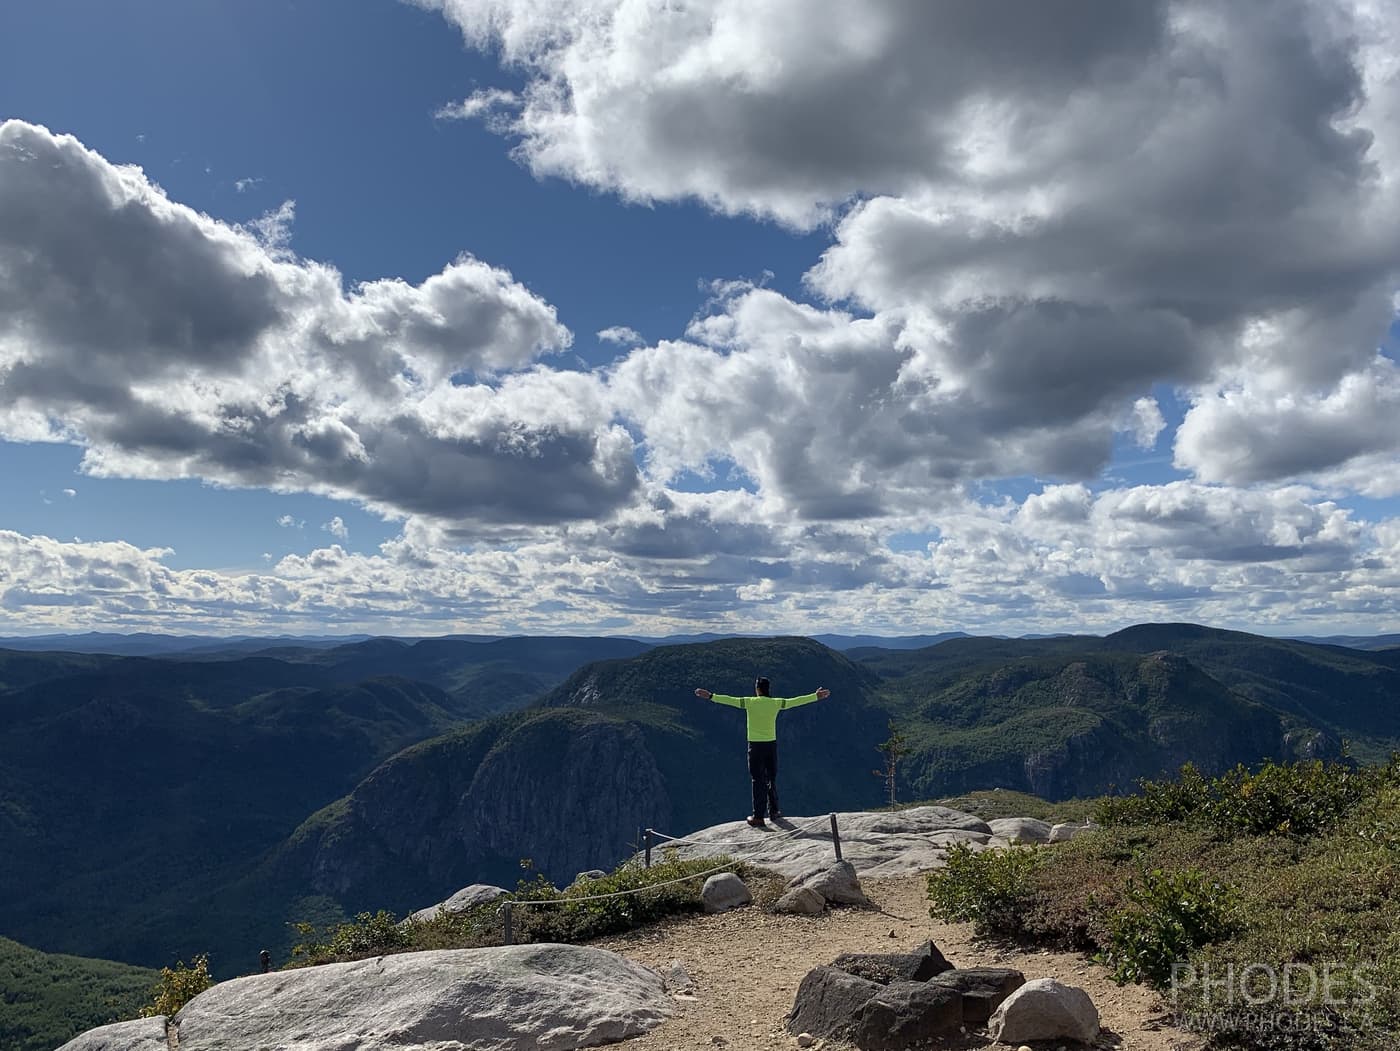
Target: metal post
{"x":507,"y":933}
{"x":646,"y":845}
{"x":835,"y":837}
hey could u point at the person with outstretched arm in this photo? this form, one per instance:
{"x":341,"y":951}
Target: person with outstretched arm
{"x":762,"y":711}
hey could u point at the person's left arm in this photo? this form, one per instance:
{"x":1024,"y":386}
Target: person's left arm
{"x":821,"y":694}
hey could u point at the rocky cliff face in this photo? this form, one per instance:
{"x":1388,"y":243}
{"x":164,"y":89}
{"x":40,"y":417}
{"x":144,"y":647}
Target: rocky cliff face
{"x":568,"y":792}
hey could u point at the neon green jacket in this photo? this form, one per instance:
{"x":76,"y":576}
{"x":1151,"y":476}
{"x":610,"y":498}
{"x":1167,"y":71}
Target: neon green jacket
{"x":763,"y":712}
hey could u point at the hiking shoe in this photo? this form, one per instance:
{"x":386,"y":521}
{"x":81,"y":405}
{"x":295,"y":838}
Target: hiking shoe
{"x":775,"y":816}
{"x":756,"y":822}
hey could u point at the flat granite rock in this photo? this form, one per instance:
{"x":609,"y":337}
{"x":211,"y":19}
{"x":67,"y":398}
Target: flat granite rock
{"x":542,"y":997}
{"x":876,"y":843}
{"x":142,"y":1034}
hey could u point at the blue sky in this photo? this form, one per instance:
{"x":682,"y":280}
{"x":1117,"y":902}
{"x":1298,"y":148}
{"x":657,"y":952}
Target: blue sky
{"x":892,"y":371}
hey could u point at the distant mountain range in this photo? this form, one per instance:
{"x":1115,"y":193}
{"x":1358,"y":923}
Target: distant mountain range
{"x":147,"y":644}
{"x":156,"y":807}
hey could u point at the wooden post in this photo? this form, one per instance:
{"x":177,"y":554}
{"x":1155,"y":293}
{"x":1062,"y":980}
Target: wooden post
{"x":646,"y":845}
{"x":507,"y":933}
{"x":835,"y":837}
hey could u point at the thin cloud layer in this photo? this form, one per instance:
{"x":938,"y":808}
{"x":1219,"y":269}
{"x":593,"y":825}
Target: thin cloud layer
{"x":1063,"y":556}
{"x":172,"y":345}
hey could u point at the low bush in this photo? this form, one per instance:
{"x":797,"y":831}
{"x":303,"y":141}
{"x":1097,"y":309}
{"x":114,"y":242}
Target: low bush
{"x":1165,"y":918}
{"x":177,"y":986}
{"x":991,"y":888}
{"x":1298,"y":799}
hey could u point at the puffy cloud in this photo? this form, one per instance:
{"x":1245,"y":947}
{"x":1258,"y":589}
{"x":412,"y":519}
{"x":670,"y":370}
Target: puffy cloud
{"x":785,"y":108}
{"x":172,"y":345}
{"x":1049,"y":210}
{"x":841,"y":417}
{"x":336,"y":527}
{"x":621,"y":335}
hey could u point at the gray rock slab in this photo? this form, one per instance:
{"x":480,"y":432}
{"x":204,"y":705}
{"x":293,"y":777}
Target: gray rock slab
{"x":1021,"y":830}
{"x":542,"y":997}
{"x":466,"y":898}
{"x":907,"y":1014}
{"x":1045,"y":1009}
{"x":918,"y":966}
{"x":828,"y":1002}
{"x":983,"y":989}
{"x":877,"y":843}
{"x":836,"y":882}
{"x":1065,"y":831}
{"x":143,"y":1034}
{"x":724,"y":891}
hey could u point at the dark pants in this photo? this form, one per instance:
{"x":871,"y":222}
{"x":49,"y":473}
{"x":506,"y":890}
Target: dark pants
{"x":763,"y":768}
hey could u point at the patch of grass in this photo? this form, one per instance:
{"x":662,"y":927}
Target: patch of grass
{"x":628,"y":897}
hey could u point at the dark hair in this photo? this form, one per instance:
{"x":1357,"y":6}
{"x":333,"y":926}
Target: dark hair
{"x":761,"y":686}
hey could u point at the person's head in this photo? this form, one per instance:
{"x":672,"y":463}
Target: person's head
{"x":760,"y":686}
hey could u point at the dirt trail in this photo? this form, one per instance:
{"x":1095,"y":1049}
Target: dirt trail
{"x":747,"y":965}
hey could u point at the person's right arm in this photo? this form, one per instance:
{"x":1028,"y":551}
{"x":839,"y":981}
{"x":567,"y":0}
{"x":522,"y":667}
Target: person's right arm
{"x":720,"y":698}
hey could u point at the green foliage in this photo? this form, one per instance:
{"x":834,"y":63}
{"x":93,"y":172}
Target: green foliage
{"x":177,"y":986}
{"x":47,"y":999}
{"x":628,"y":897}
{"x":1167,"y":916}
{"x":1300,"y":799}
{"x":991,"y":888}
{"x":368,"y":934}
{"x":1223,"y":901}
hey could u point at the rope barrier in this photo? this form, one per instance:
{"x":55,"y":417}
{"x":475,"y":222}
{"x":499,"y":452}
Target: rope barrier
{"x":730,"y":842}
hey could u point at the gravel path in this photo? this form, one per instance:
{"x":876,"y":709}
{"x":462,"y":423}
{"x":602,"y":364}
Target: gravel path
{"x":747,"y":965}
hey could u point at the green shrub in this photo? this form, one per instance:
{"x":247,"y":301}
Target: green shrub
{"x":177,"y":986}
{"x":1168,"y":915}
{"x":368,"y":934}
{"x":991,"y":888}
{"x":1297,"y":799}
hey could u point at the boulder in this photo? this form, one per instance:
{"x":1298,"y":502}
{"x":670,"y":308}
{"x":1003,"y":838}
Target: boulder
{"x":1065,"y":831}
{"x":724,"y":891}
{"x":837,"y":884}
{"x":143,"y":1034}
{"x":466,"y":898}
{"x":828,"y":1002}
{"x":542,"y":997}
{"x":1021,"y":830}
{"x":907,"y":1014}
{"x":918,"y":966}
{"x":982,"y":988}
{"x":801,"y":901}
{"x":583,"y":877}
{"x":1044,"y":1009}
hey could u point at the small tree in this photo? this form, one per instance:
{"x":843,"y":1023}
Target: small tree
{"x":893,"y":750}
{"x":178,"y":985}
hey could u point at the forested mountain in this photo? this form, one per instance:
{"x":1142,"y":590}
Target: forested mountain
{"x":157,"y":808}
{"x":46,"y":998}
